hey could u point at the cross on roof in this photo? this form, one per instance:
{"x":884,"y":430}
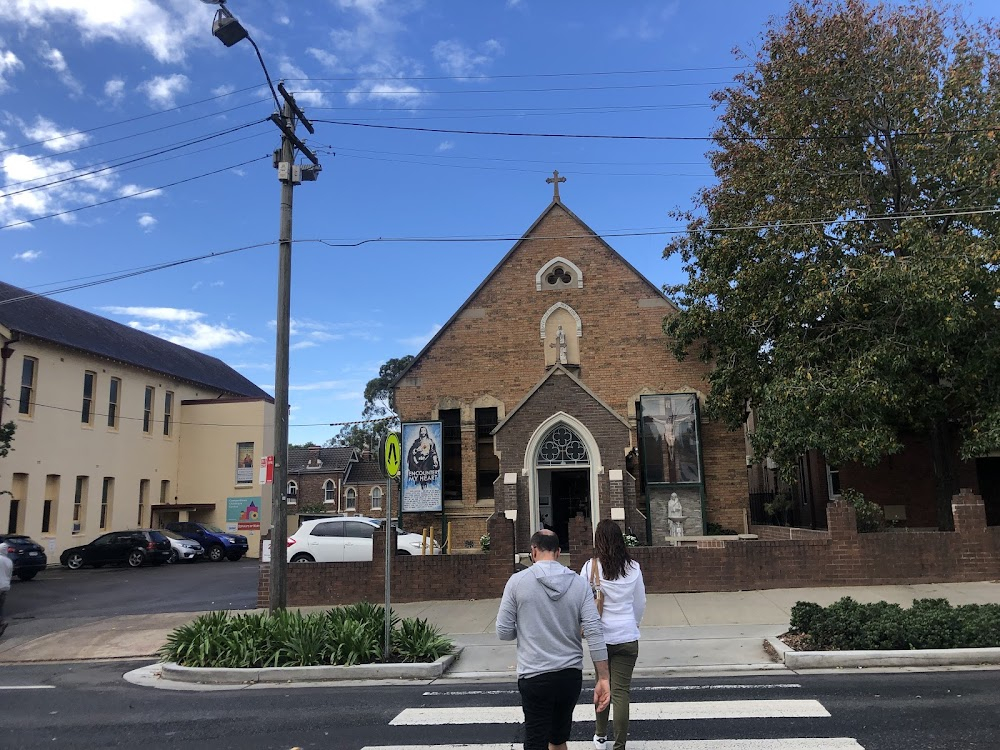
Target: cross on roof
{"x":554,"y":181}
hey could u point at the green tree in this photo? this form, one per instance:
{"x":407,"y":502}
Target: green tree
{"x":380,"y":408}
{"x":6,"y":438}
{"x":843,"y":273}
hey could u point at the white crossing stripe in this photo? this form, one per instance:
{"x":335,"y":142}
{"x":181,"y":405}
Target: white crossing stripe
{"x":27,"y":687}
{"x":741,"y":709}
{"x":640,"y":688}
{"x":789,"y":743}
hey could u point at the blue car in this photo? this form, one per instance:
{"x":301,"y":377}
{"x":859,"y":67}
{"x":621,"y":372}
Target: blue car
{"x":28,"y":556}
{"x":218,"y":544}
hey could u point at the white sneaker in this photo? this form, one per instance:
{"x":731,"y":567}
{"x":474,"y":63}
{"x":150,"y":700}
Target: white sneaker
{"x":600,"y":742}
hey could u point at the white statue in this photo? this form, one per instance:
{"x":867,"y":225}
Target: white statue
{"x":674,"y":508}
{"x":561,"y":343}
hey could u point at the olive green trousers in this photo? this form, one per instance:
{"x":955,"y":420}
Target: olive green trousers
{"x":621,"y":662}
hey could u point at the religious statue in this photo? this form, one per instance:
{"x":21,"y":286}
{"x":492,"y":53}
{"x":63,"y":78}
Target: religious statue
{"x":674,"y":507}
{"x":561,"y":344}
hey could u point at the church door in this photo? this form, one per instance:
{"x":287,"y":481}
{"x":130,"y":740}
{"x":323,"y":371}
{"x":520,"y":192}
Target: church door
{"x":570,"y":498}
{"x":562,"y":480}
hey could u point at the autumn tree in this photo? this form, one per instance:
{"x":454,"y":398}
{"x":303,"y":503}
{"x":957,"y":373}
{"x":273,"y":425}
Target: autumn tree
{"x":843,"y":272}
{"x":379,"y":410}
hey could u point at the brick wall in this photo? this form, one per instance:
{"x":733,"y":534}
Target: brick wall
{"x":843,"y":558}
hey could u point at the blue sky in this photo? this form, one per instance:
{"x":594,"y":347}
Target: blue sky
{"x":86,"y":85}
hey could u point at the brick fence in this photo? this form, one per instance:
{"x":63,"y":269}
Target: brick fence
{"x":843,"y":557}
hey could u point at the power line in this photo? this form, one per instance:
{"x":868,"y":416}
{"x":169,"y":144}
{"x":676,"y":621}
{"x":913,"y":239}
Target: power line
{"x":530,"y":75}
{"x":545,"y":90}
{"x":132,"y":195}
{"x":176,"y":147}
{"x":342,"y":149}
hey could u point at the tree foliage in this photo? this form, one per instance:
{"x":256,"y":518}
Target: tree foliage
{"x":380,"y":408}
{"x":6,"y":438}
{"x":855,"y":300}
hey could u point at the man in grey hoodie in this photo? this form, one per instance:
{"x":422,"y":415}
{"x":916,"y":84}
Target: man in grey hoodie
{"x":544,"y":608}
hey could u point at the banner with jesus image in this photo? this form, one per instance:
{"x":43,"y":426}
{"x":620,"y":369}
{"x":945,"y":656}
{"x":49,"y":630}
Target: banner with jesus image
{"x":421,"y":467}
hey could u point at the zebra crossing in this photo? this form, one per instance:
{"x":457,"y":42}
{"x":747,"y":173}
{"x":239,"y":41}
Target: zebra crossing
{"x":484,"y":719}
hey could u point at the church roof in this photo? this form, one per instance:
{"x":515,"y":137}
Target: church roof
{"x":551,"y":207}
{"x":46,"y":319}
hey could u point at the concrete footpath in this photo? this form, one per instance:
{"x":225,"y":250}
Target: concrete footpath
{"x":719,"y":632}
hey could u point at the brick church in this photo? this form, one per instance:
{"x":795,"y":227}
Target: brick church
{"x":558,"y":398}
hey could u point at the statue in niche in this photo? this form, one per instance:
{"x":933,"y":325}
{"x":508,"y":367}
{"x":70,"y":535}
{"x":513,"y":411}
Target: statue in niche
{"x":561,"y":344}
{"x":675,"y":515}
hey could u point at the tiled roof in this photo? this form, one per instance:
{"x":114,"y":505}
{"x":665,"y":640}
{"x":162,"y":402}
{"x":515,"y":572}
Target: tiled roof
{"x":44,"y":318}
{"x":336,"y":458}
{"x":365,"y":472}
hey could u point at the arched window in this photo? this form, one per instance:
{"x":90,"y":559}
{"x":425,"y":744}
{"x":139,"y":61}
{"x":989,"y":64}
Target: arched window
{"x":292,"y":492}
{"x":376,"y":498}
{"x":562,"y":447}
{"x":352,"y":499}
{"x":329,"y":491}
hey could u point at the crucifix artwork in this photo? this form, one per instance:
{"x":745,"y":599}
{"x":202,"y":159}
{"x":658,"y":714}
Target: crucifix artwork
{"x":554,"y":181}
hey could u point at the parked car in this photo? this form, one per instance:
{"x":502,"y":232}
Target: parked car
{"x":182,"y":548}
{"x":218,"y":544}
{"x":132,"y":548}
{"x":345,"y":540}
{"x":28,"y":556}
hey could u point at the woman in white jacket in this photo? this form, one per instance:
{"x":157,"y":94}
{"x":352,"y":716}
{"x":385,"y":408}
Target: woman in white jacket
{"x":620,"y":581}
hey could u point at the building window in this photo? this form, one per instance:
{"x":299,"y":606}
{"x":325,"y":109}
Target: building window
{"x":80,"y":504}
{"x":147,"y":410}
{"x":164,"y":491}
{"x":329,"y":491}
{"x":50,"y":504}
{"x":87,"y":412}
{"x":451,"y":453}
{"x":833,"y":482}
{"x":292,"y":492}
{"x":18,"y":501}
{"x":143,"y":500}
{"x":29,"y":373}
{"x":107,"y":495}
{"x":352,"y":499}
{"x":487,"y":463}
{"x":114,"y":395}
{"x":376,"y":498}
{"x":168,"y":411}
{"x":244,"y":463}
{"x":562,"y":447}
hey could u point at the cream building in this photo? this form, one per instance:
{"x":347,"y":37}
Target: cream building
{"x":118,"y":429}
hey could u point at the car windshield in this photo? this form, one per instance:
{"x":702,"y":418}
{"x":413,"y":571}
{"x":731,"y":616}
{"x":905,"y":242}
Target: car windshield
{"x":212,"y":528}
{"x":172,"y":534}
{"x":157,"y":536}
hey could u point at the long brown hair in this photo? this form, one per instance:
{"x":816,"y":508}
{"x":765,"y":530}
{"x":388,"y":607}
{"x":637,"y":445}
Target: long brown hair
{"x":609,"y":546}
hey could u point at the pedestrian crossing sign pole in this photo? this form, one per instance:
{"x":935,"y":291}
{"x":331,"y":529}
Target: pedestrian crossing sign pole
{"x":391,"y":460}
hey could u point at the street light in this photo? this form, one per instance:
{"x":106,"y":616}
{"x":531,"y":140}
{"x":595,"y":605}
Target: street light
{"x":227,"y":29}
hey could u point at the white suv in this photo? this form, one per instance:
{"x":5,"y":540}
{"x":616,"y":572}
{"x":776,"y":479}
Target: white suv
{"x":345,"y":540}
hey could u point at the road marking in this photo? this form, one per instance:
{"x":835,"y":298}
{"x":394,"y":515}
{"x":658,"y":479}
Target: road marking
{"x":740,"y":709}
{"x":26,"y":687}
{"x":789,"y":743}
{"x":782,"y":686}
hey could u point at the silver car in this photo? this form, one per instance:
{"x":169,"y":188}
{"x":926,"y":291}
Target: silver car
{"x":182,"y":548}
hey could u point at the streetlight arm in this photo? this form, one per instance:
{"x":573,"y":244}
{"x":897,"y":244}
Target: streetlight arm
{"x":267,"y":75}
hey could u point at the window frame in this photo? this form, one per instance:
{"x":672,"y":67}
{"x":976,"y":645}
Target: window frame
{"x":114,"y":400}
{"x":351,"y":500}
{"x":148,"y":398}
{"x":107,"y":498}
{"x":487,"y":418}
{"x":26,"y":406}
{"x":376,"y":493}
{"x":329,"y":491}
{"x":81,"y":489}
{"x":168,"y":413}
{"x":87,"y":407}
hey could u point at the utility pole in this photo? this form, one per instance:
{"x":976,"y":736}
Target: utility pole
{"x":290,"y":174}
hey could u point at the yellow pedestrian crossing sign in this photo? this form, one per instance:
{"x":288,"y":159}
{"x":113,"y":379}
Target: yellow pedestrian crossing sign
{"x":392,"y":455}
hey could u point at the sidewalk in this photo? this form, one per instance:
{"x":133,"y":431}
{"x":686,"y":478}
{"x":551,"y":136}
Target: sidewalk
{"x":708,"y":631}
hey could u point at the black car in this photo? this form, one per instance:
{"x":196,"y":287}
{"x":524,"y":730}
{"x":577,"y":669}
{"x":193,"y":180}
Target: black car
{"x":132,"y":548}
{"x":28,"y":556}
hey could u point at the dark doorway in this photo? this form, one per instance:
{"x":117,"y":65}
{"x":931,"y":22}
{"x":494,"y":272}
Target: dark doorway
{"x":15,"y":508}
{"x":570,"y":497}
{"x":989,"y":488}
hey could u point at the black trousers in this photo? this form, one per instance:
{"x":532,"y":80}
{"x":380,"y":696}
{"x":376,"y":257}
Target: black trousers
{"x":548,"y":701}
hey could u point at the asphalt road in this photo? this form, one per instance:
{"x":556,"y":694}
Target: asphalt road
{"x":89,"y":706}
{"x":44,"y":604}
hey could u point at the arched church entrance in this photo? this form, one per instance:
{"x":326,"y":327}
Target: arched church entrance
{"x":563,"y":464}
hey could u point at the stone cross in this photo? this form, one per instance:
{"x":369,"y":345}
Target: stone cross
{"x":554,"y":181}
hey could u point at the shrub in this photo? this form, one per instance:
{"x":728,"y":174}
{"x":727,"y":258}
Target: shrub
{"x":929,"y":623}
{"x":342,"y":635}
{"x":871,"y":516}
{"x":717,"y":529}
{"x":631,"y":540}
{"x":484,"y":542}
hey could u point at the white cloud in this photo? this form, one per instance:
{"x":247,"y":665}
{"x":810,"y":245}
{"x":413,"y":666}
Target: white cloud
{"x":381,"y":83}
{"x":169,"y":314}
{"x":138,"y":191}
{"x":164,"y":28}
{"x":445,"y":146}
{"x":162,"y":91}
{"x":514,"y":3}
{"x":646,"y":23}
{"x":324,"y":58}
{"x":55,"y":139}
{"x":147,"y":222}
{"x":302,"y":345}
{"x":223,"y":90}
{"x":323,"y":385}
{"x":306,"y":97}
{"x":420,"y":340}
{"x":9,"y":64}
{"x":55,"y":61}
{"x":28,"y":255}
{"x":114,"y":89}
{"x":204,"y":337}
{"x":461,"y":61}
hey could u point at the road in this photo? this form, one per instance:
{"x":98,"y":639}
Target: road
{"x":57,"y":595}
{"x":89,"y":705}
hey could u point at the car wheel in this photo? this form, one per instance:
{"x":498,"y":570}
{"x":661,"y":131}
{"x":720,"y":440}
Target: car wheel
{"x":302,"y":557}
{"x":403,"y":553}
{"x":74,"y":561}
{"x":136,"y":558}
{"x":173,"y":557}
{"x":27,"y":575}
{"x":234,"y":557}
{"x":216,"y":553}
